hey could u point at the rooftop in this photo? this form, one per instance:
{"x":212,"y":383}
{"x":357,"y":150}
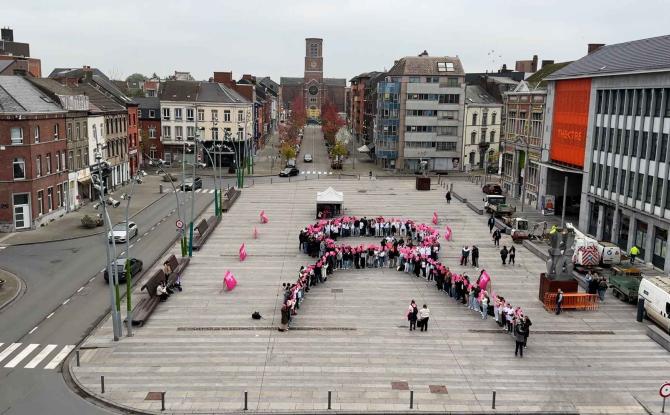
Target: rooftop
{"x":637,"y":56}
{"x":200,"y":91}
{"x":17,"y":95}
{"x":537,"y":80}
{"x":427,"y":65}
{"x":474,"y":94}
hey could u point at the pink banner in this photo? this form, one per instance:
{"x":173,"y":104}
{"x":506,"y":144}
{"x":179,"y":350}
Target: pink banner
{"x":255,"y":233}
{"x":435,"y":219}
{"x":447,"y":233}
{"x":243,"y":252}
{"x":484,"y":280}
{"x":229,"y":281}
{"x":264,"y":217}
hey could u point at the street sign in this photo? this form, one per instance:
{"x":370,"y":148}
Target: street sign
{"x":665,"y":390}
{"x":180,"y":224}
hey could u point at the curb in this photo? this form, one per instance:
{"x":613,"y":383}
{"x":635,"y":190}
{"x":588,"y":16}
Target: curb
{"x":91,"y":234}
{"x":17,"y":294}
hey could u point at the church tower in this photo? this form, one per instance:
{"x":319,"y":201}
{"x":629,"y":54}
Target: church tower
{"x":313,"y":88}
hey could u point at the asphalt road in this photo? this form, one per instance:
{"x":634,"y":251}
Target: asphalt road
{"x":65,"y":296}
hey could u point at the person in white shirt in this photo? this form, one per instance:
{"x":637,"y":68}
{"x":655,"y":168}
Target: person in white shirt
{"x":424,"y":316}
{"x":161,"y":292}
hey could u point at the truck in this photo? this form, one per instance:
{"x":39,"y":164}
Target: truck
{"x":589,"y":252}
{"x":656,"y":294}
{"x":497,"y":206}
{"x":625,"y":283}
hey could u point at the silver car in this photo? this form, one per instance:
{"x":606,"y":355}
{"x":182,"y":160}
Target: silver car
{"x":119,"y":232}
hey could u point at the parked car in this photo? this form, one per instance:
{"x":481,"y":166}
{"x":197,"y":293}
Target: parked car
{"x":307,"y":158}
{"x":492,"y":189}
{"x":119,"y":232}
{"x":290,"y":163}
{"x":191,"y":184}
{"x":289,"y":171}
{"x":135,"y":268}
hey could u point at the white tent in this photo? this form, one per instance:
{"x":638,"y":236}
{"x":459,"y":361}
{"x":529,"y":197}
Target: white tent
{"x":329,"y":203}
{"x":363,"y":149}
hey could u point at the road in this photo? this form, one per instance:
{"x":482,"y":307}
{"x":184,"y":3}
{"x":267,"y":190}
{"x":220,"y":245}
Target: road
{"x":65,"y":297}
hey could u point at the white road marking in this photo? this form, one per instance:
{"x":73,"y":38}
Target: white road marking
{"x":33,"y":330}
{"x":66,"y":301}
{"x":40,"y":356}
{"x":2,"y":247}
{"x":330,"y":172}
{"x":80,"y":288}
{"x":59,"y":357}
{"x":153,"y":227}
{"x":103,"y":270}
{"x":211,"y":191}
{"x":51,"y":315}
{"x":132,"y":245}
{"x":145,"y":233}
{"x":24,"y":353}
{"x":93,"y":278}
{"x":139,"y":239}
{"x":9,"y":350}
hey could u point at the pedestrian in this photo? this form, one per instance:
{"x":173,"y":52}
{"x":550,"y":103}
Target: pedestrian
{"x":503,"y":254}
{"x":519,"y":337}
{"x":591,"y":283}
{"x":370,"y":175}
{"x":465,"y":253}
{"x":424,"y":316}
{"x":412,"y":314}
{"x":512,"y":254}
{"x":559,"y":301}
{"x":448,"y":196}
{"x":492,"y":223}
{"x":475,"y":256}
{"x":602,"y":288}
{"x":496,"y":237}
{"x":634,"y":252}
{"x":526,"y":323}
{"x":485,"y":306}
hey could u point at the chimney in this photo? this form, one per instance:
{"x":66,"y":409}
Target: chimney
{"x":546,"y":62}
{"x":533,"y":67}
{"x":594,"y":47}
{"x":88,"y":73}
{"x":424,"y":53}
{"x":7,"y":34}
{"x":225,"y":78}
{"x":249,"y":78}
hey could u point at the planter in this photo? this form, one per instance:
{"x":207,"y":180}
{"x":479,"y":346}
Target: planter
{"x":423,"y":183}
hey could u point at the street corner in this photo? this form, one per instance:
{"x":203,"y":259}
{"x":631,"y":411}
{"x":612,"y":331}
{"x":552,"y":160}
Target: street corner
{"x":11,"y":288}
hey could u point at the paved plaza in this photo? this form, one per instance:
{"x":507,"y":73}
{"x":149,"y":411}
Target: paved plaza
{"x":351,"y":336}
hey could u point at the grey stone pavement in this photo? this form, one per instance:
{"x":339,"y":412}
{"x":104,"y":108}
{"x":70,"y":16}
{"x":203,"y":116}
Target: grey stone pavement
{"x":69,"y":225}
{"x":351,"y":337}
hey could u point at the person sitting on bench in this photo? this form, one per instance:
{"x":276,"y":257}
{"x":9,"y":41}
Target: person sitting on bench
{"x":167,"y":270}
{"x":162,"y":292}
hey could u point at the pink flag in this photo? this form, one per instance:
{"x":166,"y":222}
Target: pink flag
{"x":435,"y":220}
{"x":264,"y":217}
{"x":229,"y":281}
{"x":243,"y":252}
{"x":447,"y":233}
{"x":255,"y":233}
{"x":484,"y":280}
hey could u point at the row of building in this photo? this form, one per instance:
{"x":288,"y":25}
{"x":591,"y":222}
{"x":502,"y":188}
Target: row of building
{"x":52,"y":128}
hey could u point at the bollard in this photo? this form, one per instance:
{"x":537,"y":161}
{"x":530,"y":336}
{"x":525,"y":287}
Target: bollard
{"x":289,"y":179}
{"x":160,"y":188}
{"x":77,"y":354}
{"x":411,"y":399}
{"x":162,"y":401}
{"x":102,"y":384}
{"x":270,"y":180}
{"x":640,"y":310}
{"x":246,"y":400}
{"x":493,"y":403}
{"x":329,"y":399}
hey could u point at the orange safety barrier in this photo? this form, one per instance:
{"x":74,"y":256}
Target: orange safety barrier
{"x":572,"y":301}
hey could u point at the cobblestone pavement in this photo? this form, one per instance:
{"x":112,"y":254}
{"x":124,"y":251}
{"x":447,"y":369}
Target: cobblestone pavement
{"x":350,"y":337}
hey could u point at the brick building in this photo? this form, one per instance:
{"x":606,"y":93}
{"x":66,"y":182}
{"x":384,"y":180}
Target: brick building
{"x":149,"y":128}
{"x":361,"y":105}
{"x":33,"y":174}
{"x":313,"y":88}
{"x":15,"y":56}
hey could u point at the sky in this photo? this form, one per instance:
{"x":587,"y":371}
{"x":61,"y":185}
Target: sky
{"x":266,"y":38}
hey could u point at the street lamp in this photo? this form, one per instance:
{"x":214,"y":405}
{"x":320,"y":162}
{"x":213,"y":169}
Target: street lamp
{"x":217,"y":184}
{"x":239,"y":170}
{"x":195,"y":162}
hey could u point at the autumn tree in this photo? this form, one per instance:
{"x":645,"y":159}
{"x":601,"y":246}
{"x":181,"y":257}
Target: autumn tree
{"x":287,"y":151}
{"x":331,"y":122}
{"x":298,"y":117}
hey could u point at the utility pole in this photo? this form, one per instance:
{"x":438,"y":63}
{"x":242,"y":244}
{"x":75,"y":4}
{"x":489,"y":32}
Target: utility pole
{"x":190,"y":227}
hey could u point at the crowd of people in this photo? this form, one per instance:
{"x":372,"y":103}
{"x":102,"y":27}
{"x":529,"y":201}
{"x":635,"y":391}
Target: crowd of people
{"x":409,"y":247}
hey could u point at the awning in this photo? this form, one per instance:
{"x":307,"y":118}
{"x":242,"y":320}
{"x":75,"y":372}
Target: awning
{"x":559,"y":167}
{"x":329,"y":195}
{"x":363,"y":149}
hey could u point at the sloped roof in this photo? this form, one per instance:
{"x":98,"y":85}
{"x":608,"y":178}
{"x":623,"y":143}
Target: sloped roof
{"x":179,"y":91}
{"x":53,"y":86}
{"x":330,"y":195}
{"x":98,"y":100}
{"x":475,"y":94}
{"x":425,"y":65}
{"x":538,"y":80}
{"x":17,"y":95}
{"x":5,"y":63}
{"x":287,"y":81}
{"x":644,"y":55}
{"x":335,"y":82}
{"x":147,"y":102}
{"x":215,"y":92}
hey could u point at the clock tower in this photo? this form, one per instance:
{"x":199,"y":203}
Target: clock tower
{"x":313,"y":88}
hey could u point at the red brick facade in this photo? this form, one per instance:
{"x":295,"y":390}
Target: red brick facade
{"x":153,"y":146}
{"x":45,"y":173}
{"x":134,"y":153}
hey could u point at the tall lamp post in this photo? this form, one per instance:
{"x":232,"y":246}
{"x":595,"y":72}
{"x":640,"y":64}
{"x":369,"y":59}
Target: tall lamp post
{"x":217,"y":184}
{"x":195,"y":162}
{"x":159,"y":164}
{"x":525,"y":172}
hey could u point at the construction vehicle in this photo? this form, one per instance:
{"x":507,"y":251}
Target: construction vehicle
{"x":588,"y":252}
{"x":518,"y":226}
{"x":625,"y":283}
{"x":497,"y":205}
{"x":539,"y":231}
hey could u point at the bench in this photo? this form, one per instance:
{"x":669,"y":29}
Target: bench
{"x":177,"y":266}
{"x":205,"y":228}
{"x":229,"y":198}
{"x":572,"y":301}
{"x":146,"y":306}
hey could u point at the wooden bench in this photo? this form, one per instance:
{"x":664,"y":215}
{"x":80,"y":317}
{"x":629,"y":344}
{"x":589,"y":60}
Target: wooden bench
{"x":177,"y":266}
{"x":146,"y":306}
{"x":205,"y":228}
{"x":229,"y":198}
{"x":572,"y":301}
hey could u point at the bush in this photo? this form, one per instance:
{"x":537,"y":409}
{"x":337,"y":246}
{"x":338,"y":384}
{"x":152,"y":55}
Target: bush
{"x":89,"y":222}
{"x":169,"y":178}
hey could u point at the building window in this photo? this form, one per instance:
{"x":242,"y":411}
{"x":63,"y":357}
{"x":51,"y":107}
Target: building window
{"x":50,"y":199}
{"x":492,"y":136}
{"x":70,"y":159}
{"x":664,"y":147}
{"x":201,"y":115}
{"x":177,"y":113}
{"x":446,"y":146}
{"x":215,"y":134}
{"x":240,"y":116}
{"x":659,"y":191}
{"x":152,"y":113}
{"x":86,"y":159}
{"x":448,"y":115}
{"x":314,"y":50}
{"x":36,"y":131}
{"x":631,"y":183}
{"x":240,"y":133}
{"x":166,"y":114}
{"x":69,"y":131}
{"x":78,"y":165}
{"x":167,"y":131}
{"x":493,"y":118}
{"x":178,"y":132}
{"x":19,"y":168}
{"x":16,"y":135}
{"x":56,"y":131}
{"x":190,"y":114}
{"x":648,"y":188}
{"x":640,"y":182}
{"x":622,"y":182}
{"x":38,"y":166}
{"x":447,"y":130}
{"x":414,"y":79}
{"x":215,"y":115}
{"x":433,"y":80}
{"x":473,"y":138}
{"x":40,"y":202}
{"x":58,"y":161}
{"x":449,"y":98}
{"x":445,"y":67}
{"x":190,"y":133}
{"x":152,"y":132}
{"x":474,"y":119}
{"x":453,"y":82}
{"x":615,"y":173}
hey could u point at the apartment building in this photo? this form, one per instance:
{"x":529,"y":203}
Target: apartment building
{"x":481,"y":129}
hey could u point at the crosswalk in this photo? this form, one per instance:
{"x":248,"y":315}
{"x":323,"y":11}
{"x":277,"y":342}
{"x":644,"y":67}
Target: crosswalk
{"x":323,"y":173}
{"x":12,"y":355}
{"x":210,"y":191}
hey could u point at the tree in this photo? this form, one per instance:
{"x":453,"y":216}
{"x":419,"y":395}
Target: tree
{"x":331,"y":122}
{"x":287,"y":151}
{"x":338,"y":150}
{"x":298,"y":117}
{"x":137,"y":77}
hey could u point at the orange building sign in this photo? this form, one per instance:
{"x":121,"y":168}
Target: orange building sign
{"x":570,"y":121}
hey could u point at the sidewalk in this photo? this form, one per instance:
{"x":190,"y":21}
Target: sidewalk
{"x":11,"y":289}
{"x":69,"y":226}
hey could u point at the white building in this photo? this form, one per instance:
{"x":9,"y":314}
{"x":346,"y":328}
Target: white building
{"x":481,"y":128}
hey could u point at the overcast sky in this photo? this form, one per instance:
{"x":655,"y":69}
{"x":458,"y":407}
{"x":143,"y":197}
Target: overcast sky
{"x":267,"y":37}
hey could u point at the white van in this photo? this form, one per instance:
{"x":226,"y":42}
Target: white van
{"x":656,"y":294}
